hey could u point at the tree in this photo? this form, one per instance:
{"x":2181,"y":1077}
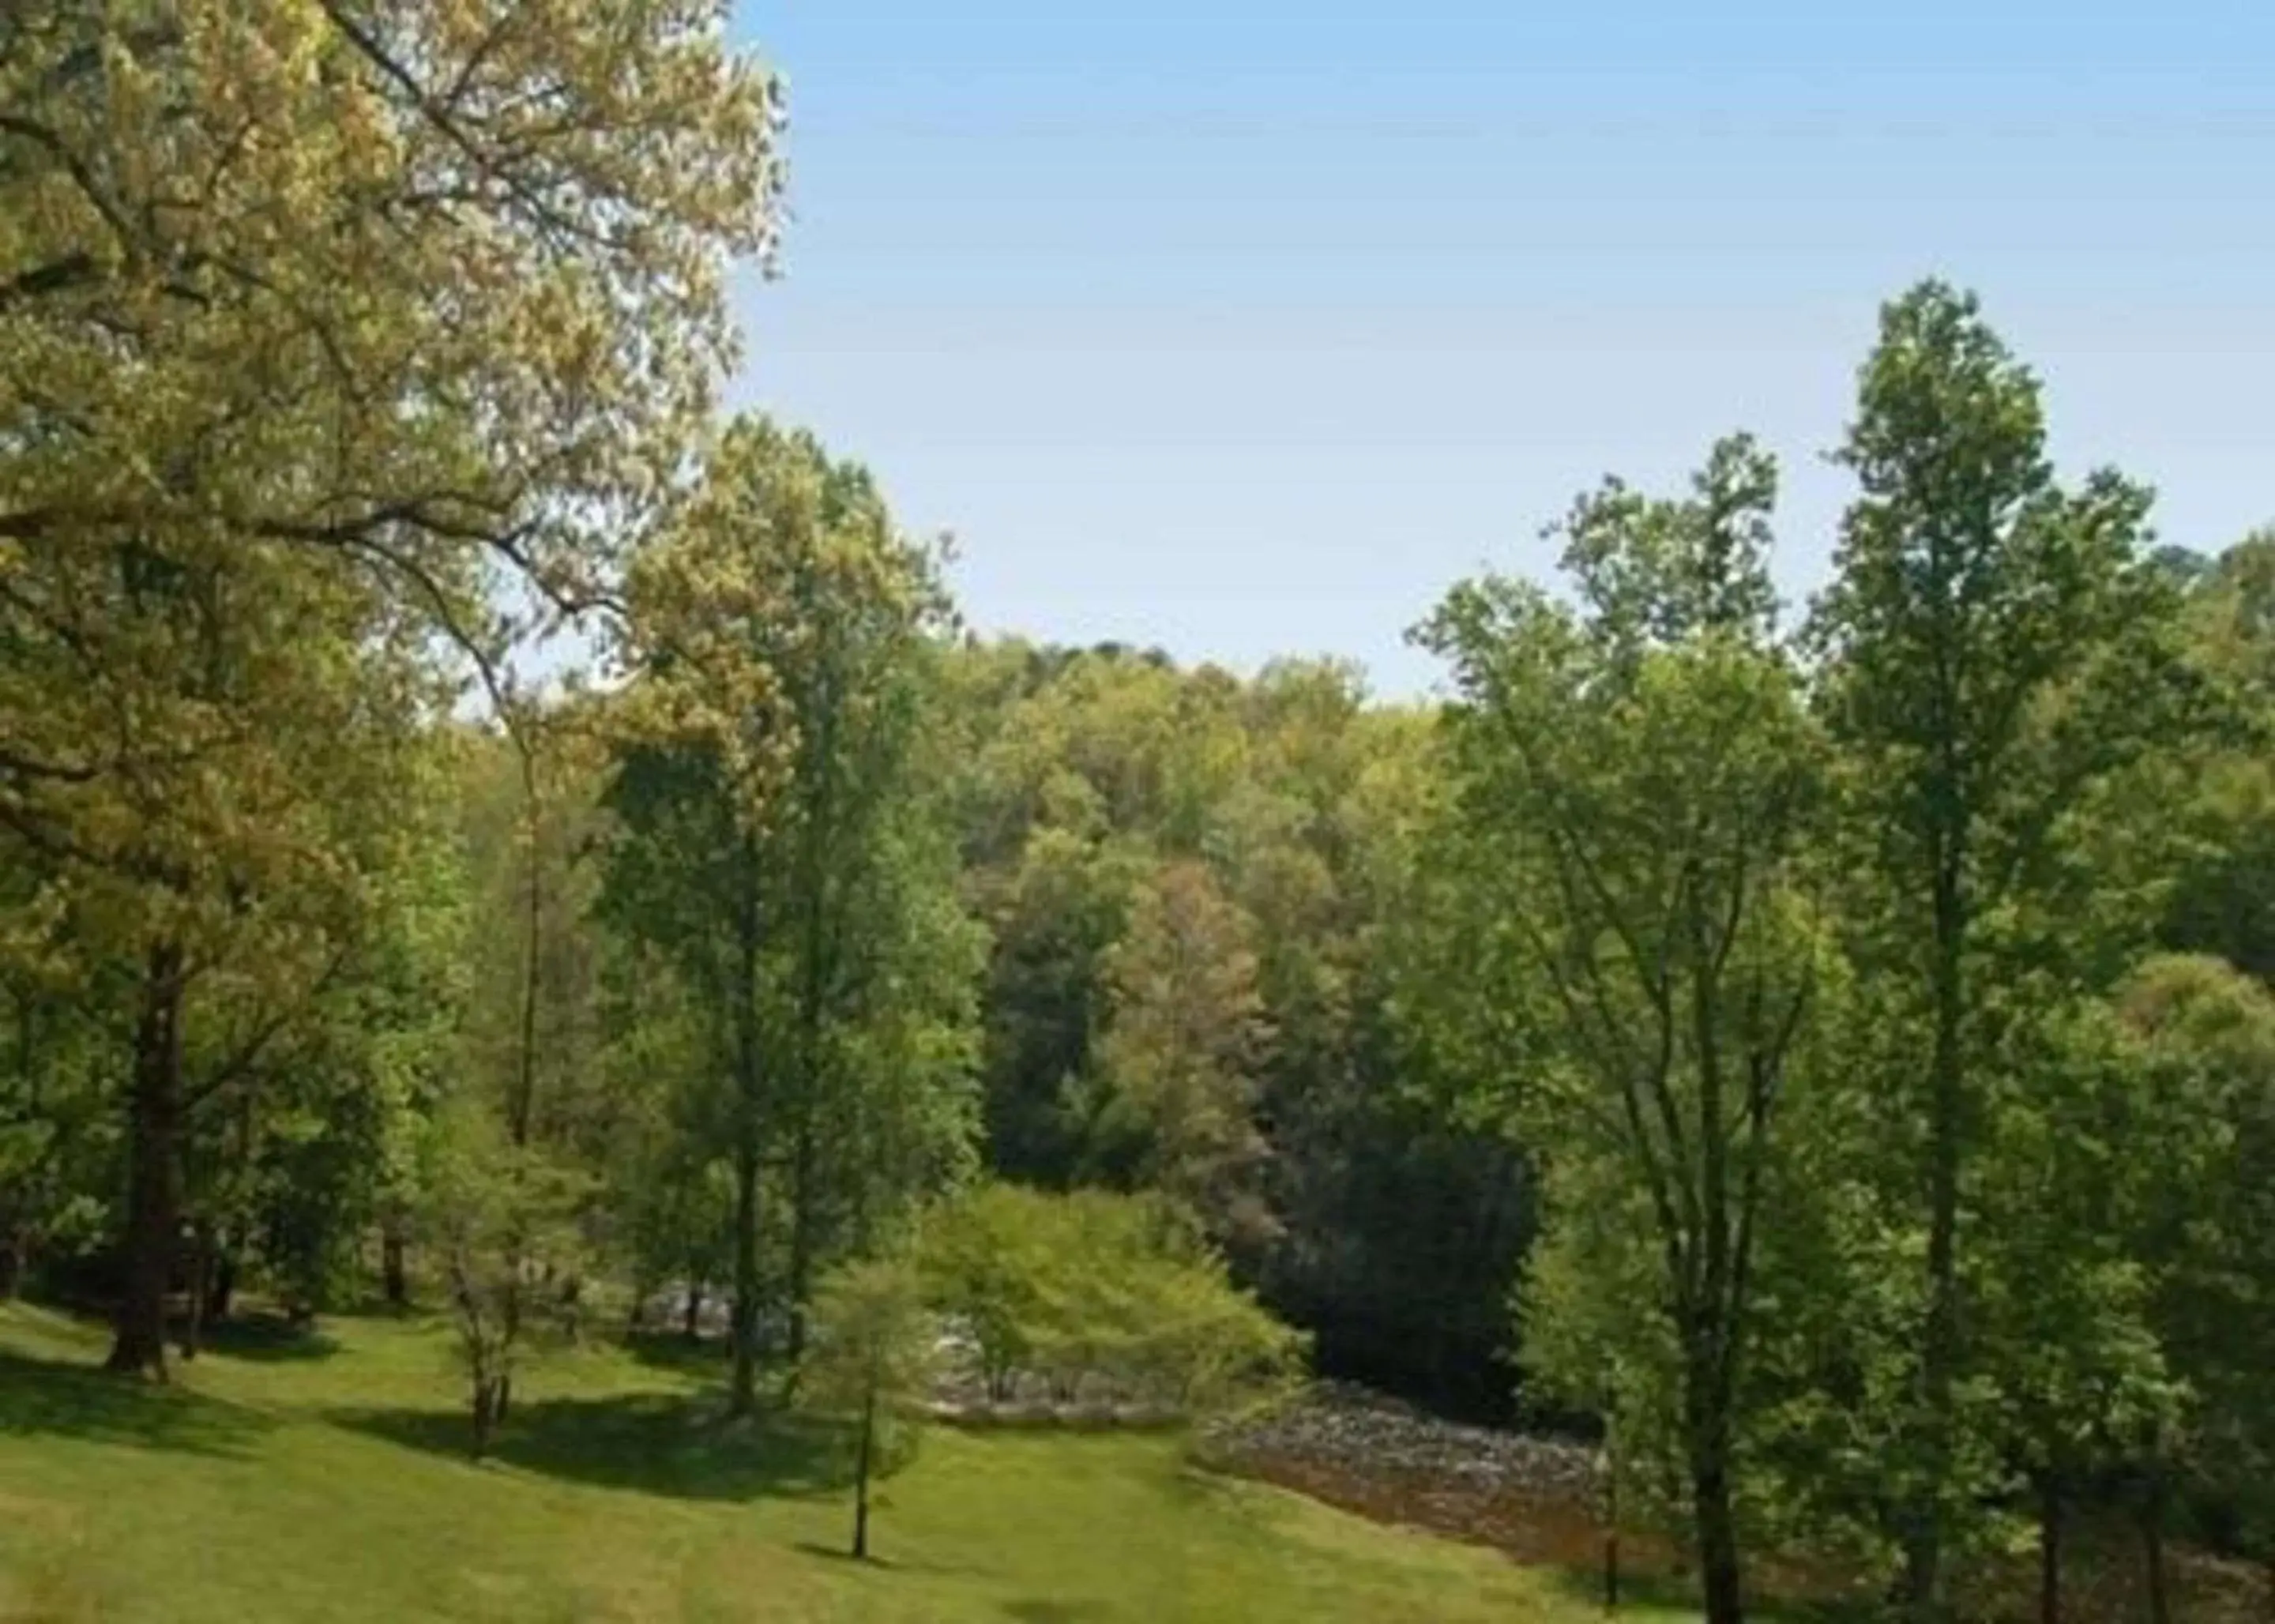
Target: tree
{"x":1643,"y":767}
{"x":2062,"y":1304}
{"x":2205,"y":1231}
{"x":312,"y":316}
{"x":982,"y":1257}
{"x":220,"y":834}
{"x":1385,"y":1226}
{"x":668,"y":1192}
{"x":1184,"y":1043}
{"x":498,"y":1216}
{"x":1994,"y":647}
{"x":498,"y":341}
{"x":778,"y":844}
{"x":872,"y":1359}
{"x":2223,"y":896}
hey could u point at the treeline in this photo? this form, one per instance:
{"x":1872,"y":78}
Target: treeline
{"x":1828,"y":1047}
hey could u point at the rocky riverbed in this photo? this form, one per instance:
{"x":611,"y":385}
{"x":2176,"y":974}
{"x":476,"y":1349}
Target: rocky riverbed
{"x":1533,"y":1497}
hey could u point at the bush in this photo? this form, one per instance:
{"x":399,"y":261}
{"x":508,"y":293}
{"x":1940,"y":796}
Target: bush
{"x":1097,"y":1291}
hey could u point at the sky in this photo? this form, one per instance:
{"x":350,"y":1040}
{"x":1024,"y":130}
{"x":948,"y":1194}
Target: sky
{"x":1245,"y":328}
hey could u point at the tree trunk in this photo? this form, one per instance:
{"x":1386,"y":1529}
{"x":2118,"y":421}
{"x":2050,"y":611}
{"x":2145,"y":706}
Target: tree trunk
{"x":1611,"y":1517}
{"x":861,"y":1476}
{"x":223,"y":1291}
{"x":742,"y":1392}
{"x":200,"y":1286}
{"x":522,"y":1106}
{"x":2152,"y":1548}
{"x":801,"y":1243}
{"x":1719,"y":1570}
{"x":741,"y":1397}
{"x":691,"y":1327}
{"x":154,"y":1158}
{"x":1924,"y":1578}
{"x":13,"y":1263}
{"x":2050,"y":1555}
{"x":486,"y":1415}
{"x":394,"y":1281}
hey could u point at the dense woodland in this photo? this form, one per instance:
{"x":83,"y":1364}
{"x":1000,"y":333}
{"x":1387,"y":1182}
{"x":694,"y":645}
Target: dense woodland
{"x":1824,"y":1050}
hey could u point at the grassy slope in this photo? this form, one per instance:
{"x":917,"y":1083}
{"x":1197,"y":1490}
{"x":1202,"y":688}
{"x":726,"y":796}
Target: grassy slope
{"x":282,"y":1482}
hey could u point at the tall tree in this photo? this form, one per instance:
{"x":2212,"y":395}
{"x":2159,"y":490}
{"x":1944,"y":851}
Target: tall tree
{"x":1180,"y":1063}
{"x":303,"y":303}
{"x":212,"y":740}
{"x":1642,"y":767}
{"x":774,"y":843}
{"x":1994,"y":647}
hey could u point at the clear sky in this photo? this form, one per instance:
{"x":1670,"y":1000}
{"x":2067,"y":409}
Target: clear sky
{"x":1245,"y":327}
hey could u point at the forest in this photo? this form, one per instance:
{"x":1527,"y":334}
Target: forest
{"x":1820,"y":1052}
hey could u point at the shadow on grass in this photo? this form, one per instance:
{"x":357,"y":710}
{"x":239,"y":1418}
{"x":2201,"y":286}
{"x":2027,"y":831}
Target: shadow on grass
{"x":40,"y":1397}
{"x":838,"y":1551}
{"x":1675,"y":1593}
{"x":268,"y":1338}
{"x":656,"y":1444}
{"x":1664,"y":1591}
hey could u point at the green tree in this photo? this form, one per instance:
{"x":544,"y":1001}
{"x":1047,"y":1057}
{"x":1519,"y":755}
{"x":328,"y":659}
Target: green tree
{"x":497,"y":345}
{"x":2061,"y":1301}
{"x":1993,"y":648}
{"x":236,"y":445}
{"x":2206,"y":1223}
{"x":497,"y":1216}
{"x":872,"y":1359}
{"x":1645,"y":764}
{"x":2222,"y":899}
{"x":778,"y":842}
{"x":1179,"y":1064}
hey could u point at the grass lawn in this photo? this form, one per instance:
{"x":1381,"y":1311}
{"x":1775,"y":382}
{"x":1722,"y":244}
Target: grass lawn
{"x":323,"y":1479}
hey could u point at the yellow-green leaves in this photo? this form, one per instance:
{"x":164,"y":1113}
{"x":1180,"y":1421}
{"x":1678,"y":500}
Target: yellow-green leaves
{"x":393,"y":280}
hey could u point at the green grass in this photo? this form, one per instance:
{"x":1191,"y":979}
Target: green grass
{"x":292,"y":1478}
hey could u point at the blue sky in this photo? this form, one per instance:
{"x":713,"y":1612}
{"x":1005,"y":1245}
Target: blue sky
{"x":1245,"y":328}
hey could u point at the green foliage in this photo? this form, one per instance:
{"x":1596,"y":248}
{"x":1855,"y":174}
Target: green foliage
{"x":1998,"y":654}
{"x":1173,"y":1103}
{"x":1643,"y":770}
{"x":872,"y":1359}
{"x":499,"y":1218}
{"x":777,"y":843}
{"x":982,"y":1260}
{"x":2205,"y":1208}
{"x":1096,"y":1293}
{"x":1116,"y":810}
